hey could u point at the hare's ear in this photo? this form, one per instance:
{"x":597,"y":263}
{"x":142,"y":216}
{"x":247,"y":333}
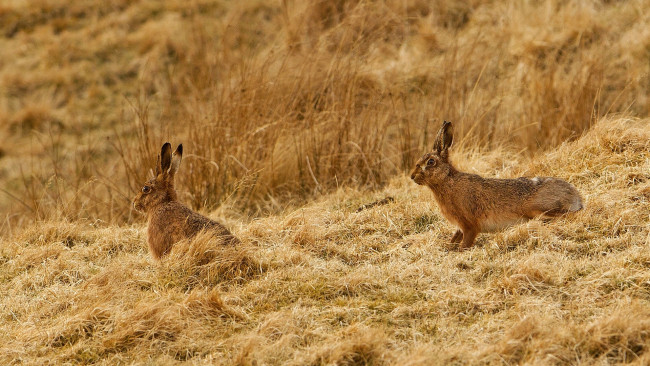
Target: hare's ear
{"x":176,"y":160}
{"x":444,"y":139}
{"x":165,"y":157}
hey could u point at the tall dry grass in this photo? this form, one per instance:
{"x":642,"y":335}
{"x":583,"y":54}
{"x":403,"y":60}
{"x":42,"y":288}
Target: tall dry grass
{"x":278,"y":102}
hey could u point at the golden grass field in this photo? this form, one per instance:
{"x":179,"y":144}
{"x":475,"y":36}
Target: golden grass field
{"x":294,"y":114}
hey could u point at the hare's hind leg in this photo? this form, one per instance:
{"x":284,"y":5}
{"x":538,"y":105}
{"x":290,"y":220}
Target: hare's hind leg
{"x":468,"y":238}
{"x":553,"y":208}
{"x":455,"y":239}
{"x":556,"y":197}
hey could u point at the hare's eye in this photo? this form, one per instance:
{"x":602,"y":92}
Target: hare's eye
{"x":431,"y":162}
{"x":146,"y":189}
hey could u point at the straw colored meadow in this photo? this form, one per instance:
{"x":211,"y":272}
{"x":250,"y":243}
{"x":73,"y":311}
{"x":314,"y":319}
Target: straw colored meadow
{"x":293,"y":116}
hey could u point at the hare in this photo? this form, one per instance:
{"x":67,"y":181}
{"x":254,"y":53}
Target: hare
{"x":169,"y":221}
{"x":476,"y":204}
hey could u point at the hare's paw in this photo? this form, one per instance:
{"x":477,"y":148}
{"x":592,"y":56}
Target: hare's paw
{"x":458,"y":236}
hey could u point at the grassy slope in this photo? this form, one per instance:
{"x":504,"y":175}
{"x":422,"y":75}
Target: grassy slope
{"x":320,"y":284}
{"x":326,"y":285}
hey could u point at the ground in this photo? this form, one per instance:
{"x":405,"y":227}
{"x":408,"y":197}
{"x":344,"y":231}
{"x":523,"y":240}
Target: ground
{"x":325,"y":284}
{"x":293,"y":116}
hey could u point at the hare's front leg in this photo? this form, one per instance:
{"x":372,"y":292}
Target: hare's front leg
{"x":458,"y":236}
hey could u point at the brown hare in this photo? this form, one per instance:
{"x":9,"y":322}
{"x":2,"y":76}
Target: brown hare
{"x":169,"y":220}
{"x":476,"y":204}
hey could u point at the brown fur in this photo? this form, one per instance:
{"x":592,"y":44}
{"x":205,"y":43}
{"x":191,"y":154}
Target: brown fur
{"x":476,"y":204}
{"x":169,"y":220}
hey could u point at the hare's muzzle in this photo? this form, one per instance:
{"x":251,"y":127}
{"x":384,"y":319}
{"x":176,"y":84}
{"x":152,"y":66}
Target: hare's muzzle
{"x":416,"y":176}
{"x":136,"y":205}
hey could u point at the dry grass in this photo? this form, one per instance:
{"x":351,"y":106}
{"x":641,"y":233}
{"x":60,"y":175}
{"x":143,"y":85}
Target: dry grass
{"x":294,"y":114}
{"x":325,"y":284}
{"x":279,"y":102}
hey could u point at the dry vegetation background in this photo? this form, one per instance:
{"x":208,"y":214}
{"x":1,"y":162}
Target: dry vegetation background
{"x":293,"y":114}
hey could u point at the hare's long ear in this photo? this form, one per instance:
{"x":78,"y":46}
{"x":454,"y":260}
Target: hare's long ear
{"x":444,"y":139}
{"x":176,"y":161}
{"x":165,"y":157}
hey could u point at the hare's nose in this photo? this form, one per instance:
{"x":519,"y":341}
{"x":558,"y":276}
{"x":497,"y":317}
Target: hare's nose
{"x":413,"y":174}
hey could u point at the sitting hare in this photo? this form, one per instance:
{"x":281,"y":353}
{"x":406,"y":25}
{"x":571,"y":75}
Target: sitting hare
{"x":169,"y":220}
{"x":476,"y":204}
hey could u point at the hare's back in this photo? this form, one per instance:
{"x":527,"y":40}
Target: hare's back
{"x":196,"y":223}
